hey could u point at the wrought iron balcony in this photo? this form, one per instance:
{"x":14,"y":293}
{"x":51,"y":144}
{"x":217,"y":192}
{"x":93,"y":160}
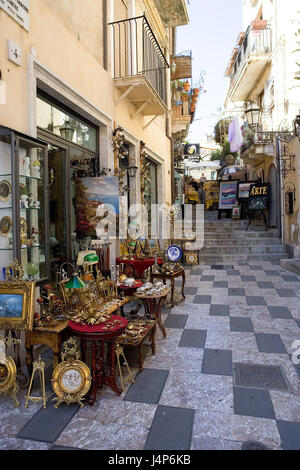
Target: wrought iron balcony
{"x":139,"y":65}
{"x":251,"y":60}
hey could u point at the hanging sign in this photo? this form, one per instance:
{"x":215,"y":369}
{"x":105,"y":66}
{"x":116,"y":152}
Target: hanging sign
{"x":18,"y":10}
{"x":259,"y":196}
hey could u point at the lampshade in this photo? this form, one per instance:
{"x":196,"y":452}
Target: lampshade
{"x":67,"y":131}
{"x":253,"y":114}
{"x":92,"y":258}
{"x":75,"y":282}
{"x":132,"y":171}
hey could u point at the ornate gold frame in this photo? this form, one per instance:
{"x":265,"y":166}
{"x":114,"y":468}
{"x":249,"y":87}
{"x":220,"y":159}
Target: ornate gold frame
{"x":9,"y":385}
{"x":25,"y":321}
{"x":63,"y":393}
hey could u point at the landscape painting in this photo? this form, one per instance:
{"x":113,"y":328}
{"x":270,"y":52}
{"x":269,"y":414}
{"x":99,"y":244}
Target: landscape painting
{"x":227,"y":195}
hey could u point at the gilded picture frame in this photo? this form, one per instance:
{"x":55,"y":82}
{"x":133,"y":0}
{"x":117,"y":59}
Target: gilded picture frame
{"x":71,"y":380}
{"x":17,"y":300}
{"x":8,"y":376}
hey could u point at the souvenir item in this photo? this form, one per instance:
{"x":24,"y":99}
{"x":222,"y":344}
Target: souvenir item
{"x":71,"y":379}
{"x":5,"y":190}
{"x":191,"y":258}
{"x":5,"y":225}
{"x":174,"y":253}
{"x":23,"y":226}
{"x":8,"y":375}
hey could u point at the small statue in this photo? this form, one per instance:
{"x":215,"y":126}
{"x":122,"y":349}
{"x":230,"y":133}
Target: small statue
{"x":27,"y":166}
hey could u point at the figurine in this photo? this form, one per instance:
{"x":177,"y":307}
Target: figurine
{"x":36,"y":169}
{"x":27,"y":166}
{"x":24,"y":199}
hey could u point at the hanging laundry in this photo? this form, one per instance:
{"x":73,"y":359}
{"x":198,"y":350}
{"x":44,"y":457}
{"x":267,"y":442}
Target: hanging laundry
{"x":235,"y":137}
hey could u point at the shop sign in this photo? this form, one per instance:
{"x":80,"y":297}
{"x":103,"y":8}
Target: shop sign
{"x":259,"y":196}
{"x":18,"y":10}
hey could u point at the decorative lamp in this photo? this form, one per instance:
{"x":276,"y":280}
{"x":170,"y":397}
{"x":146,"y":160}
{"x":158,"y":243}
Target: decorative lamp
{"x":67,"y":131}
{"x":75,"y":282}
{"x":132,"y":171}
{"x":253,"y":115}
{"x":173,"y":67}
{"x":297,"y":126}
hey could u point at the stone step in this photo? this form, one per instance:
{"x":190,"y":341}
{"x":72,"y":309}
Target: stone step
{"x":231,"y":259}
{"x":242,"y":241}
{"x":255,"y":249}
{"x":239,"y":234}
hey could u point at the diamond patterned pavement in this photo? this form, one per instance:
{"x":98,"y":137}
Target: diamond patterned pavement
{"x":249,"y":314}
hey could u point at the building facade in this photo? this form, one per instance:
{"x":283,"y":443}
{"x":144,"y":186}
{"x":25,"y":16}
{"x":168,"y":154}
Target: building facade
{"x":264,"y":91}
{"x":71,"y":75}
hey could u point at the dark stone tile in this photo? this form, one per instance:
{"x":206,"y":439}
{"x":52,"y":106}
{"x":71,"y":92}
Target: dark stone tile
{"x":196,"y":272}
{"x":207,"y":278}
{"x":279,"y":312}
{"x":271,"y":272}
{"x":148,"y":386}
{"x":270,"y":343}
{"x":193,"y":339}
{"x":248,"y":278}
{"x":286,"y":293}
{"x":298,"y":322}
{"x":217,"y":361}
{"x":243,"y":263}
{"x":175,"y":321}
{"x":290,"y":278}
{"x":47,"y":424}
{"x":255,"y":300}
{"x":242,"y":324}
{"x":190,"y":290}
{"x":290,"y":434}
{"x":202,"y":299}
{"x":275,"y":262}
{"x":256,"y":267}
{"x":171,"y":429}
{"x":265,"y":285}
{"x":57,"y":447}
{"x":233,"y":272}
{"x":236,"y":291}
{"x":253,"y":402}
{"x":223,"y":284}
{"x":219,"y":310}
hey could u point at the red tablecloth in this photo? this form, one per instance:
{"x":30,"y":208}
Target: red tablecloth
{"x":81,"y":328}
{"x":139,"y":265}
{"x":130,"y":290}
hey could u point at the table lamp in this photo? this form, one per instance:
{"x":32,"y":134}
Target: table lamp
{"x":75,"y":284}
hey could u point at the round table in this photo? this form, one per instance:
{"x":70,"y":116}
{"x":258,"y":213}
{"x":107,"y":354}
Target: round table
{"x":139,"y":266}
{"x":103,"y":373}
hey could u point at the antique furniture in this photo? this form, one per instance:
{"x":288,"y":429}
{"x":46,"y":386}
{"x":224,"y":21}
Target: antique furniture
{"x":103,"y":369}
{"x":24,"y":203}
{"x":147,"y":331}
{"x":139,"y":266}
{"x":52,"y":336}
{"x":171,"y":277}
{"x":153,"y":304}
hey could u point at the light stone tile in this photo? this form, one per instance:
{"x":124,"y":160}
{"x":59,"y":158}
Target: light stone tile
{"x":231,"y":340}
{"x":10,"y":443}
{"x":286,"y":407}
{"x":211,"y":443}
{"x":236,"y":428}
{"x":118,"y":425}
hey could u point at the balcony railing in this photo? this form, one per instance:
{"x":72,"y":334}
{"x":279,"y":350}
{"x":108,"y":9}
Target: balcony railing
{"x":137,"y":52}
{"x":257,"y":42}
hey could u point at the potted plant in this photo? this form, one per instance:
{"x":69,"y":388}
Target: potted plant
{"x":184,"y":96}
{"x":196,"y":91}
{"x":186,"y":85}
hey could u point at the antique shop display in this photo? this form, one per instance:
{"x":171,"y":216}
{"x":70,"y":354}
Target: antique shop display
{"x":153,"y":298}
{"x":23,"y":198}
{"x":8,"y":375}
{"x":71,"y":379}
{"x":171,"y":273}
{"x":52,"y":310}
{"x":38,"y":366}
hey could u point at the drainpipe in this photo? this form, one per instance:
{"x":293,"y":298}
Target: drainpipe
{"x":280,"y":205}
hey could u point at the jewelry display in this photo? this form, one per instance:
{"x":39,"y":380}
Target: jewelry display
{"x":38,"y":366}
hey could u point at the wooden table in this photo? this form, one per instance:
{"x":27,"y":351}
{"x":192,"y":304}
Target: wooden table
{"x":50,"y":336}
{"x":54,"y":336}
{"x":128,"y":340}
{"x":153,"y":305}
{"x":172,"y":278}
{"x":103,"y":372}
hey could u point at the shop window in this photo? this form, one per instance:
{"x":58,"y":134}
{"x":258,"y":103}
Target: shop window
{"x":57,"y":120}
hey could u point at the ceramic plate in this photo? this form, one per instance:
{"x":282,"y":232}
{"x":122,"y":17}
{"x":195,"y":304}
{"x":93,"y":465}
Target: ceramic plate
{"x":5,"y":190}
{"x":5,"y":225}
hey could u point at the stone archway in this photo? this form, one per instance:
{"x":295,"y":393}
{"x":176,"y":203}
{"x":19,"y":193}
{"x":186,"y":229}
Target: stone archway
{"x":273,"y":208}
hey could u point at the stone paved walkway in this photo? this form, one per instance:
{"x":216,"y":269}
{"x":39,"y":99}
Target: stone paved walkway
{"x":188,"y":396}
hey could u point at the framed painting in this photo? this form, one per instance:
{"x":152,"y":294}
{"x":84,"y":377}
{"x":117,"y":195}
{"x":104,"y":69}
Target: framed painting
{"x":17,"y":305}
{"x":236,"y":212}
{"x":243,"y":189}
{"x":154,"y":246}
{"x":227,"y":195}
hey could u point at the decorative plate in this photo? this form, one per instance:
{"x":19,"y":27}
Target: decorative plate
{"x":5,"y":225}
{"x":174,"y":253}
{"x":8,"y":372}
{"x":23,"y":225}
{"x":71,"y":378}
{"x":5,"y":190}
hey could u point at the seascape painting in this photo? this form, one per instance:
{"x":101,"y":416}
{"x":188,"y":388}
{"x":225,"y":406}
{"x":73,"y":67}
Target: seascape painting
{"x":227,"y":196}
{"x":11,"y":305}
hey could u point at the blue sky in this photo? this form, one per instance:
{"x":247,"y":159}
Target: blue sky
{"x":211,"y":35}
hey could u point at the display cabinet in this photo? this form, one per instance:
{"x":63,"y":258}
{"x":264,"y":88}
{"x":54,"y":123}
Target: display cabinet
{"x":24,"y":204}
